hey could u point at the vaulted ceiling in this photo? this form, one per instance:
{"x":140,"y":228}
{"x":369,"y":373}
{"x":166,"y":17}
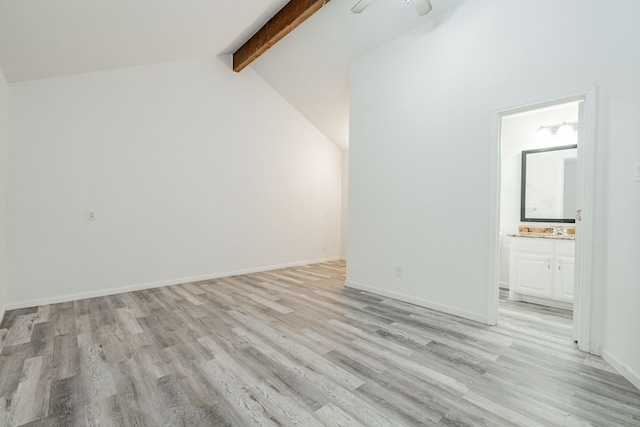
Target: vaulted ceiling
{"x":309,"y":67}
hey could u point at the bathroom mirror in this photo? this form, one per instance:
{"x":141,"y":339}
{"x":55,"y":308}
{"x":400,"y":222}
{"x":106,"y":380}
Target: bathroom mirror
{"x":548,"y":191}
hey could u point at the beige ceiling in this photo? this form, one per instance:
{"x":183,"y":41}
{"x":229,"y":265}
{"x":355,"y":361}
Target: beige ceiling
{"x":49,"y":38}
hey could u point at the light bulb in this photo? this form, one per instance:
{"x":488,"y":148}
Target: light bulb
{"x":565,"y":129}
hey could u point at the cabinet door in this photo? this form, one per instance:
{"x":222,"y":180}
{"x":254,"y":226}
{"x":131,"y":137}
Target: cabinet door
{"x":564,"y":278}
{"x":532,"y":274}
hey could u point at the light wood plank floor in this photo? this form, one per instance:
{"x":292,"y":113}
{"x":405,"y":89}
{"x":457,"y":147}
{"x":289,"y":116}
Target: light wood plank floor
{"x":294,"y":347}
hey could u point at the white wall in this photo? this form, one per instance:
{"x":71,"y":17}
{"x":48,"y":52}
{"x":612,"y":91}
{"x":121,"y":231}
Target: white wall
{"x":193,"y":171}
{"x":420,"y":150}
{"x":345,"y":203}
{"x":4,"y":135}
{"x":621,"y":128}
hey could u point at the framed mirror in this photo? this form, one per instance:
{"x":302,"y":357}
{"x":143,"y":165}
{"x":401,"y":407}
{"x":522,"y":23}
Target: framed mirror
{"x":548,"y":192}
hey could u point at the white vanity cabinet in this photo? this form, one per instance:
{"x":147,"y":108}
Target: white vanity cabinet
{"x":542,"y":270}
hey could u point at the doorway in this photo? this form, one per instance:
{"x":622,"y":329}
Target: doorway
{"x":537,"y":198}
{"x":552,"y":122}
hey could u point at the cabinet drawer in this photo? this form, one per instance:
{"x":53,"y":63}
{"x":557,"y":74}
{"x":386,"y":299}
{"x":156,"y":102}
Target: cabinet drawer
{"x":566,"y":248}
{"x":535,"y":246}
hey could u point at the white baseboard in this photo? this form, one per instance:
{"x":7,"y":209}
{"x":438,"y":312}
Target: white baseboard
{"x":150,"y":285}
{"x":544,"y":301}
{"x":622,"y":368}
{"x":595,"y":349}
{"x":418,"y":301}
{"x":504,"y":285}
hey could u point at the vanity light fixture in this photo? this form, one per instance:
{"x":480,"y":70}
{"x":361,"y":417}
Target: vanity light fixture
{"x":561,"y":128}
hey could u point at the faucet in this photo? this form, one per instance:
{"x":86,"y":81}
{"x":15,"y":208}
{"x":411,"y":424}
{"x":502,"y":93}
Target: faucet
{"x":559,"y":231}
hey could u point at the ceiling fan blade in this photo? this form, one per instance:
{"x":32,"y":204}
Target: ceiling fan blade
{"x":360,"y":6}
{"x":422,"y":6}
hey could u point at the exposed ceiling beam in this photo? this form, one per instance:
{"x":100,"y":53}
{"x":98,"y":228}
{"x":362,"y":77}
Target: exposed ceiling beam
{"x":286,"y":20}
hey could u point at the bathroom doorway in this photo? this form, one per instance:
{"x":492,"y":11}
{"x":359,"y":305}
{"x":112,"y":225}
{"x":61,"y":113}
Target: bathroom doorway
{"x":537,"y":216}
{"x":541,"y":254}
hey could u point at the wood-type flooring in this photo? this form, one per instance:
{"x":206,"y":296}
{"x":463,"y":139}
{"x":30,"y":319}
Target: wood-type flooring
{"x":295,"y":347}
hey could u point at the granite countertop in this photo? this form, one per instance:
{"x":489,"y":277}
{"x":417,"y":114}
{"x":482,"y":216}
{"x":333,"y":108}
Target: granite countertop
{"x":545,"y":236}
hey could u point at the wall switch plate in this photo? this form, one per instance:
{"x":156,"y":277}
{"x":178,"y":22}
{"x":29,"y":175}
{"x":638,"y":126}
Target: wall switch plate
{"x":636,"y":172}
{"x":91,"y":216}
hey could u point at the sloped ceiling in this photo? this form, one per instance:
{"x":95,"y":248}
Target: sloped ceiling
{"x":309,"y":67}
{"x":47,"y":38}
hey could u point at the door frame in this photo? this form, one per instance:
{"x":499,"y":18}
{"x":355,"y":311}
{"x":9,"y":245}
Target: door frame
{"x":584,"y":202}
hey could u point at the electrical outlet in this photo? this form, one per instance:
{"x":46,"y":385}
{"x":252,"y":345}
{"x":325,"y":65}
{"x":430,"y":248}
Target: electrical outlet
{"x":398,"y":271}
{"x":324,"y":249}
{"x":91,"y":216}
{"x":636,"y":172}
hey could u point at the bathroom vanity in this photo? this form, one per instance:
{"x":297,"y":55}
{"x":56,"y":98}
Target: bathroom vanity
{"x":542,"y":268}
